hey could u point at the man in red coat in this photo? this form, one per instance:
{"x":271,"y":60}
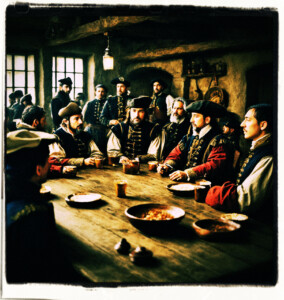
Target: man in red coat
{"x":204,"y":154}
{"x":252,"y":193}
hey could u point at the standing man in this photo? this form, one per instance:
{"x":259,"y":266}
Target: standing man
{"x":76,"y":146}
{"x":178,"y":126}
{"x":205,"y":155}
{"x":91,"y":114}
{"x":61,"y":100}
{"x":18,"y":95}
{"x":252,"y":193}
{"x":25,"y":101}
{"x":114,"y":110}
{"x":136,"y":138}
{"x":161,"y":105}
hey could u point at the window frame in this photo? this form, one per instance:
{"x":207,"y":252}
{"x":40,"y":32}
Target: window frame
{"x":13,"y":70}
{"x":65,"y":56}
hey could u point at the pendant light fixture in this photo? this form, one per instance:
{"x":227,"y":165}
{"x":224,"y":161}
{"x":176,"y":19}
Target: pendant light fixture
{"x":108,"y":60}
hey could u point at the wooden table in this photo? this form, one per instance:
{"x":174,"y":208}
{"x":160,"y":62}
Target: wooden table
{"x":89,"y":236}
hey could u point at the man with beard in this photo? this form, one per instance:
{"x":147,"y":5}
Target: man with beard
{"x":76,"y":147}
{"x":33,"y":118}
{"x":136,"y":138}
{"x":177,"y":127}
{"x":61,"y":100}
{"x":91,"y":113}
{"x":204,"y":155}
{"x":161,"y":105}
{"x":252,"y":192}
{"x":114,"y":110}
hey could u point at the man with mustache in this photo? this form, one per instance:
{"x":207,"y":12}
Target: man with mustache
{"x":177,"y":127}
{"x":114,"y":110}
{"x":136,"y":138}
{"x":252,"y":193}
{"x":204,"y":154}
{"x":61,"y":100}
{"x":91,"y":113}
{"x":161,"y":105}
{"x":76,"y":147}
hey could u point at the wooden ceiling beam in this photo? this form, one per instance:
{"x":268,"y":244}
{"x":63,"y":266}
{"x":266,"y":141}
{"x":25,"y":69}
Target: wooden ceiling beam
{"x":192,"y":48}
{"x":100,"y":26}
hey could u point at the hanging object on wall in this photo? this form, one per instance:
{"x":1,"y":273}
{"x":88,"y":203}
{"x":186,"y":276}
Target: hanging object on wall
{"x":215,"y":93}
{"x":108,"y":60}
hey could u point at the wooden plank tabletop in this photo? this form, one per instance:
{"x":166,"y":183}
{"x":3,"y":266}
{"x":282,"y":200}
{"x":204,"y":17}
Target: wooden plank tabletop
{"x":89,"y":235}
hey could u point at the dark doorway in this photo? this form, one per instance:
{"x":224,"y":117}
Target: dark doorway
{"x":141,"y":80}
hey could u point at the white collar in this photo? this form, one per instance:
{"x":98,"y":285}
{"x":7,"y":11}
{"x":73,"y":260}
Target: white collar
{"x":254,"y":142}
{"x":204,"y":130}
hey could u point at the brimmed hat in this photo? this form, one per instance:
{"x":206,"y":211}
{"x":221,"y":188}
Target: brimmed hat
{"x":120,"y":80}
{"x":80,"y":96}
{"x":18,"y":94}
{"x":66,"y":81}
{"x":12,"y":96}
{"x":20,"y":139}
{"x":27,"y":98}
{"x":70,"y":110}
{"x":140,"y":102}
{"x":207,"y":108}
{"x":101,"y":86}
{"x":161,"y":82}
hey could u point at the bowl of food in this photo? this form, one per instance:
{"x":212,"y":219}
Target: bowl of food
{"x":153,"y":217}
{"x":183,"y":189}
{"x":236,"y":217}
{"x":82,"y":199}
{"x":215,"y":228}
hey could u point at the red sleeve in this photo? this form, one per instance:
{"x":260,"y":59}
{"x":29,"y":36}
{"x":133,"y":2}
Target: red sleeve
{"x":175,"y":155}
{"x":216,"y":160}
{"x":56,"y":165}
{"x":223,"y":197}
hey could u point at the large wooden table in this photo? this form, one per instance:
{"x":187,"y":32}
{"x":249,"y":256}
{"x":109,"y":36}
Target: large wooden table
{"x":89,"y":235}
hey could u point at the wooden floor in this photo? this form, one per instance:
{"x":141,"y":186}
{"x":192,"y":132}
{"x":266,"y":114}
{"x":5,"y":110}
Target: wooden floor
{"x":88,"y":236}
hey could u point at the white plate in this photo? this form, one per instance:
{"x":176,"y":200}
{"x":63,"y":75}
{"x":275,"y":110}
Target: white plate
{"x":83,"y":197}
{"x":184,"y":187}
{"x":45,"y":189}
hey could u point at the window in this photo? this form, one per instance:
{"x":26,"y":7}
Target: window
{"x":72,"y":67}
{"x":20,"y":70}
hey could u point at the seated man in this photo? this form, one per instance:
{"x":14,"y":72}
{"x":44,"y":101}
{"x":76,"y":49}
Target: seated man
{"x":76,"y":146}
{"x":253,"y":189}
{"x":32,"y":249}
{"x":177,"y":127}
{"x":91,"y":114}
{"x":33,"y":118}
{"x":205,"y":155}
{"x":26,"y":101}
{"x":137,"y":138}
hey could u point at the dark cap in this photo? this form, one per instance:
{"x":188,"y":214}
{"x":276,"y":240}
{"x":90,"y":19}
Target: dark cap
{"x":231,"y":120}
{"x":66,"y":81}
{"x":12,"y":96}
{"x":120,"y":80}
{"x":27,"y":98}
{"x":161,"y":82}
{"x":207,"y":108}
{"x":70,"y":110}
{"x":20,"y":139}
{"x":101,"y":86}
{"x":18,"y":94}
{"x":80,"y":96}
{"x":140,"y":102}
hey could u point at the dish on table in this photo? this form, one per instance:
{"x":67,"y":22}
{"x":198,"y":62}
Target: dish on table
{"x":78,"y":199}
{"x":215,"y":227}
{"x":183,"y":189}
{"x":236,"y":217}
{"x":153,"y":217}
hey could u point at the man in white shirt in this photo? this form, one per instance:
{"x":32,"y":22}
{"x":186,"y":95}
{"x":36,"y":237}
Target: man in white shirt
{"x":253,"y":191}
